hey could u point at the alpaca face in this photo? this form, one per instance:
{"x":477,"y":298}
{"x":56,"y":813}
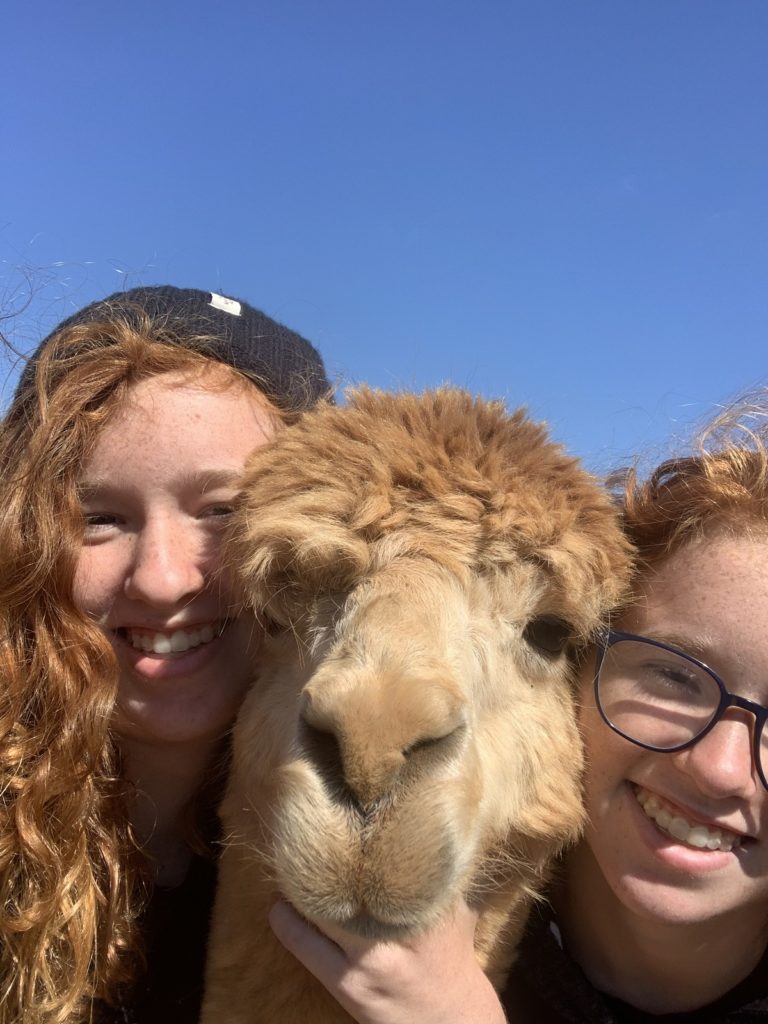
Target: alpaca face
{"x":428,"y":566}
{"x":408,"y":745}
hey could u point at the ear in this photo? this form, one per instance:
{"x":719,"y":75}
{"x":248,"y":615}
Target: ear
{"x":285,"y":560}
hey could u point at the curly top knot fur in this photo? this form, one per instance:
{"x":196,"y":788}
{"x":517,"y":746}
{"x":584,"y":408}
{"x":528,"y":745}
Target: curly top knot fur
{"x":444,"y":475}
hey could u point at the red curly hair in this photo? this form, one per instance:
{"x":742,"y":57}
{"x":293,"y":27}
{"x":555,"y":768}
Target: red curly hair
{"x":71,"y":884}
{"x":722,"y":485}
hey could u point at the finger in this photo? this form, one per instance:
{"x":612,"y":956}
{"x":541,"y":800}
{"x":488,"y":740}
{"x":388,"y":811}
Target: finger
{"x":316,"y":951}
{"x":465,"y":916}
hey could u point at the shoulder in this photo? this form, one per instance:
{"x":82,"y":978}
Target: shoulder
{"x":546,"y":986}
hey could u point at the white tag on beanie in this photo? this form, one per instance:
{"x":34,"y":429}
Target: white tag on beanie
{"x":226,"y":305}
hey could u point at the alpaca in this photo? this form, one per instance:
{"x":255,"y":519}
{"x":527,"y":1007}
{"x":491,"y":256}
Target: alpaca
{"x":426,"y":568}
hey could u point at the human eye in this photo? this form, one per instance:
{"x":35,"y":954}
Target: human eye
{"x":99,"y":524}
{"x":100,"y":520}
{"x":217,"y":508}
{"x":676,"y":675}
{"x":213,"y":492}
{"x":101,"y":506}
{"x":673,"y":679}
{"x":218,"y":511}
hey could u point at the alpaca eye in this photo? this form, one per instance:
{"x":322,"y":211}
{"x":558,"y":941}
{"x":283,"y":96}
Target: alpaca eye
{"x":547,"y":634}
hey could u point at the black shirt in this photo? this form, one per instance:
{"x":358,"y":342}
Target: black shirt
{"x":547,"y":987}
{"x":176,"y":931}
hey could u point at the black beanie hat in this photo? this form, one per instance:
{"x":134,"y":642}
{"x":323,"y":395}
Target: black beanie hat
{"x":287,"y":368}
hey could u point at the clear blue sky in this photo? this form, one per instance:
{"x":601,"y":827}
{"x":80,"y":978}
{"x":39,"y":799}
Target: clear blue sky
{"x":560,"y":202}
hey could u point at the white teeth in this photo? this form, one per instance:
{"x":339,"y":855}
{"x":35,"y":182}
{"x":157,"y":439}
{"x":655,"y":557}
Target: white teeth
{"x":679,"y":828}
{"x":178,"y":642}
{"x":698,"y":836}
{"x":161,"y":644}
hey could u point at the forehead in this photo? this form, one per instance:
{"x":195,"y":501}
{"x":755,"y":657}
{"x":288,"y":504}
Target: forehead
{"x":718,"y":564}
{"x":710,"y":596}
{"x":175,"y":413}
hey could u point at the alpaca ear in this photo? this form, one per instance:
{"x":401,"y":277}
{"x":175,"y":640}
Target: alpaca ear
{"x":285,"y":566}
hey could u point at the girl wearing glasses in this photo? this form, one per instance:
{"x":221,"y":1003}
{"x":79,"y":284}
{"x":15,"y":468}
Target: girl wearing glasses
{"x":661,"y":912}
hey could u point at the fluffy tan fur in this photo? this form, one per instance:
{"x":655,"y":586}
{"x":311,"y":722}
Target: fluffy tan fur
{"x":410,"y":737}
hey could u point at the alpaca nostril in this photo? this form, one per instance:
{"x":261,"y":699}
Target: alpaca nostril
{"x":428,"y":743}
{"x":323,"y":750}
{"x":436,"y":747}
{"x":361,"y":759}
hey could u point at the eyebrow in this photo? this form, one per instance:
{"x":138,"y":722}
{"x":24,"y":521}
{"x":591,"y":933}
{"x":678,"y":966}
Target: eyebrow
{"x":213,"y":479}
{"x":201,"y":480}
{"x":700,"y":647}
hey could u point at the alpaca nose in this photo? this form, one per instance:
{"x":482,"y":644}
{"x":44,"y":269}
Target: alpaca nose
{"x":368,"y":743}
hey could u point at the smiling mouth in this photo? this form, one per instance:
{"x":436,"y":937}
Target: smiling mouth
{"x":177,"y":642}
{"x":674,"y":825}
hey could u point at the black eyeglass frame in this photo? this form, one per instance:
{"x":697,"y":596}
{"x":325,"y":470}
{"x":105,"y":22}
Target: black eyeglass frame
{"x":609,"y":638}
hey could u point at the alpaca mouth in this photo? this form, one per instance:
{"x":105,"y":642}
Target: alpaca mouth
{"x":366,"y":925}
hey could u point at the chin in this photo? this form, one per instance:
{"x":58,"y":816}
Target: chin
{"x":160,"y":731}
{"x":673,"y":905}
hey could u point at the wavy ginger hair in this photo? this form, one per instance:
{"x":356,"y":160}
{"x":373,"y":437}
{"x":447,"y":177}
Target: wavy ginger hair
{"x":71,"y":881}
{"x":722,"y":486}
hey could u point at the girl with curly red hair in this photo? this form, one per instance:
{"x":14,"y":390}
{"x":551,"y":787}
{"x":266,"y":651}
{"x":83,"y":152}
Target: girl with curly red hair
{"x":123,"y":657}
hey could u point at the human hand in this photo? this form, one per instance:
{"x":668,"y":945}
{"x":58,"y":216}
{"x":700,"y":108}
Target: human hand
{"x":432,"y":978}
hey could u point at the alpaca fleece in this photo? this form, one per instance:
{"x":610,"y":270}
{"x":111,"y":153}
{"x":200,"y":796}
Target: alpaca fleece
{"x":427,"y":568}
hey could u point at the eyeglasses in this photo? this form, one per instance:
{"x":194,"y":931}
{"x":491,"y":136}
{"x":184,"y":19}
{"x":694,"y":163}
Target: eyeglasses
{"x":662,"y":699}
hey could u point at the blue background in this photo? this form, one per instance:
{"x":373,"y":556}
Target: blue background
{"x":560,"y":202}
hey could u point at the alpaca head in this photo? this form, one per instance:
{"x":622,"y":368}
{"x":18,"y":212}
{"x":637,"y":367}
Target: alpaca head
{"x":429,"y":567}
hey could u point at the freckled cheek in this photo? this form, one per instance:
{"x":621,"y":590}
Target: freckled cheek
{"x":95,"y":585}
{"x":595,"y":754}
{"x":218,"y":572}
{"x":607,"y":758}
{"x":594,"y":733}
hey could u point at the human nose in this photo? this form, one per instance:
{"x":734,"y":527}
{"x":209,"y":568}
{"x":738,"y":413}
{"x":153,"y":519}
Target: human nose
{"x":722,"y":762}
{"x":168,"y":566}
